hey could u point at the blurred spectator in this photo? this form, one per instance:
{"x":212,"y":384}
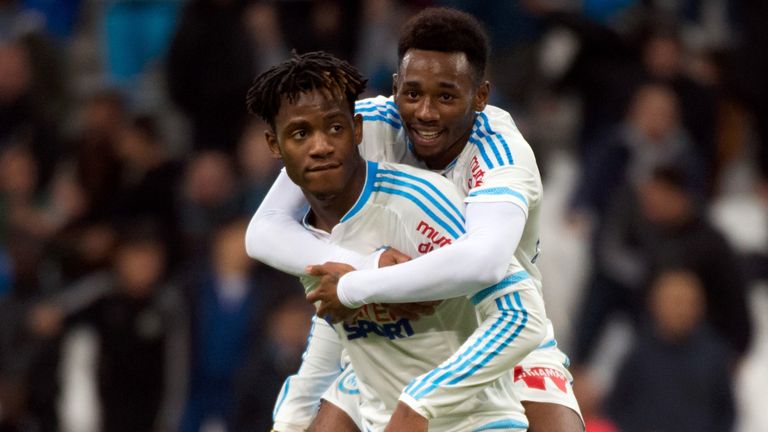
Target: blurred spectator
{"x":138,"y":34}
{"x":210,"y":197}
{"x":610,"y":67}
{"x":141,"y":331}
{"x":677,"y":377}
{"x":151,"y":181}
{"x":656,"y":226}
{"x":257,"y":164}
{"x":98,"y":169}
{"x":210,"y":66}
{"x":23,"y":119}
{"x":328,"y":25}
{"x":288,"y":324}
{"x":227,"y":303}
{"x":650,"y":136}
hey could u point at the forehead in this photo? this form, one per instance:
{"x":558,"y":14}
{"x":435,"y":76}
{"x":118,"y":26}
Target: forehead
{"x":315,"y":103}
{"x":435,"y":66}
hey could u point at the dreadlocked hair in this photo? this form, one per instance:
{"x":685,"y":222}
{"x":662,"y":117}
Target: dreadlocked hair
{"x":301,"y":74}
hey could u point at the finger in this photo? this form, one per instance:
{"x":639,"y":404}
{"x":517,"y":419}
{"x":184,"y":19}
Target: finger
{"x":314,"y":296}
{"x":316,"y":270}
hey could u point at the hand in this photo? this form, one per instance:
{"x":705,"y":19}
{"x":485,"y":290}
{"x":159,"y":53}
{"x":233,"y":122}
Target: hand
{"x":392,"y":256}
{"x":330,"y":307}
{"x":413,"y":311}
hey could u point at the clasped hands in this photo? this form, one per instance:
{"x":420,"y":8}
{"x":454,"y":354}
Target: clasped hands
{"x":330,"y":307}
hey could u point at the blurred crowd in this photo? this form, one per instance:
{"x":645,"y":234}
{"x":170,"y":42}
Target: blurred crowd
{"x":129,"y":169}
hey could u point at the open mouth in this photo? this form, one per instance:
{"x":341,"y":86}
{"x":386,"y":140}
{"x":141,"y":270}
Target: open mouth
{"x":424,"y":136}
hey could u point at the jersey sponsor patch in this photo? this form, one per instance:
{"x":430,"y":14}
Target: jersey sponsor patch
{"x":476,"y":179}
{"x":536,"y":377}
{"x":435,"y":237}
{"x":377,"y":320}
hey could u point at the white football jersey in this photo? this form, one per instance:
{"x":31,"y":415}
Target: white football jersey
{"x":413,"y":211}
{"x":497,"y":165}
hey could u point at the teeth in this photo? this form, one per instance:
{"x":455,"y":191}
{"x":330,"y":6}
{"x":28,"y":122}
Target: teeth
{"x":428,"y":135}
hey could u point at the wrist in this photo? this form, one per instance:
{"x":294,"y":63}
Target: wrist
{"x":341,"y":292}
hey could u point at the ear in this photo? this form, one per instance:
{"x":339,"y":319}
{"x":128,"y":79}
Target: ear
{"x":481,"y":96}
{"x":358,"y":120}
{"x":272,"y":143}
{"x":394,"y":84}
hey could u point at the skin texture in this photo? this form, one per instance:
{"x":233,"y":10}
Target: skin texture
{"x":316,"y":137}
{"x":549,"y":417}
{"x":436,"y":93}
{"x":331,"y":418}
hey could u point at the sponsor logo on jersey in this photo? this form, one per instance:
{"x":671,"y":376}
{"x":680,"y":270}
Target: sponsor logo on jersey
{"x":435,"y":237}
{"x":376,"y":319}
{"x":476,"y":180}
{"x":535,"y":377}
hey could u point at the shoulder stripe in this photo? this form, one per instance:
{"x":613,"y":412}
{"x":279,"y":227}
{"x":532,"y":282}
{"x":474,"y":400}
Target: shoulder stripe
{"x":377,"y":109}
{"x":501,"y":190}
{"x":458,"y":213}
{"x":481,"y":147}
{"x":507,"y":281}
{"x":422,"y":206}
{"x":375,"y":102}
{"x":498,"y":136}
{"x":394,"y":123}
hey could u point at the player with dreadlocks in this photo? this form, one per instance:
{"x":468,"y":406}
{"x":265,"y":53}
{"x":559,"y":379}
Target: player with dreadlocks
{"x":358,"y":205}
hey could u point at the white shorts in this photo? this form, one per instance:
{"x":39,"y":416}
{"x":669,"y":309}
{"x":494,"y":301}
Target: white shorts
{"x":345,"y":394}
{"x":543,"y":376}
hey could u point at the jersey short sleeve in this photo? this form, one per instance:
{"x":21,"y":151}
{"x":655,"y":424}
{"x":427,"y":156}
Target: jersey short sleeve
{"x":381,"y":125}
{"x":503,"y":167}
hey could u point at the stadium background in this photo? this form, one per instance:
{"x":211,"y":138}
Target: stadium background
{"x":128,"y":171}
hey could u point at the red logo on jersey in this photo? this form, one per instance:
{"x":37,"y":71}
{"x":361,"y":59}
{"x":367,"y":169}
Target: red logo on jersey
{"x":534,"y":377}
{"x":436,"y":239}
{"x":477,"y":174}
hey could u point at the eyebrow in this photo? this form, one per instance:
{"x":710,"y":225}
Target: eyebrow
{"x":441,"y":84}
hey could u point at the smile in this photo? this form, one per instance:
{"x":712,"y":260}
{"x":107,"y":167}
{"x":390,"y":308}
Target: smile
{"x":427,"y":135}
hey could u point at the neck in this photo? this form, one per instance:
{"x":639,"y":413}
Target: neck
{"x":327,"y":210}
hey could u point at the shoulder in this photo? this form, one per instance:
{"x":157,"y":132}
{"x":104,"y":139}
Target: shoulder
{"x":418,"y":195}
{"x":379,"y":110}
{"x":498,"y":141}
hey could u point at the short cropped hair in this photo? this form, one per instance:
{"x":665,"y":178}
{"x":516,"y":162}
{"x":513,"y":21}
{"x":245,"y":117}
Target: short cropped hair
{"x":446,"y":30}
{"x":301,"y":74}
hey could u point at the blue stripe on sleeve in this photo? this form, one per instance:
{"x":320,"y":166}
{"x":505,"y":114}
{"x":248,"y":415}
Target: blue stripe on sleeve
{"x":503,"y":333}
{"x":281,"y":399}
{"x":501,"y":190}
{"x":424,"y":208}
{"x":432,"y":187}
{"x":387,"y":120}
{"x":502,"y":425}
{"x":417,"y":385}
{"x":380,"y":110}
{"x":483,"y":153}
{"x":504,"y":344}
{"x":507,"y":281}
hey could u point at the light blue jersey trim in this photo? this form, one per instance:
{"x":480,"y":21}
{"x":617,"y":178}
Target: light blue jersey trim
{"x":480,"y":146}
{"x":548,"y":344}
{"x":507,"y":281}
{"x":423,"y":207}
{"x":500,"y":330}
{"x":501,"y":190}
{"x":378,"y":109}
{"x":387,"y":120}
{"x":431,"y":187}
{"x":498,"y":136}
{"x":371,"y":168}
{"x":502,"y":425}
{"x":283,"y":394}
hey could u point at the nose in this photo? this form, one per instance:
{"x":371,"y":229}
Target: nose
{"x":320,"y":146}
{"x":427,"y":111}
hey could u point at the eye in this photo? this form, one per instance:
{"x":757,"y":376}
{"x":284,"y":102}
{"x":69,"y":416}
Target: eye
{"x":299,"y":134}
{"x":336,"y":128}
{"x":412,"y":94}
{"x":445,"y":97}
